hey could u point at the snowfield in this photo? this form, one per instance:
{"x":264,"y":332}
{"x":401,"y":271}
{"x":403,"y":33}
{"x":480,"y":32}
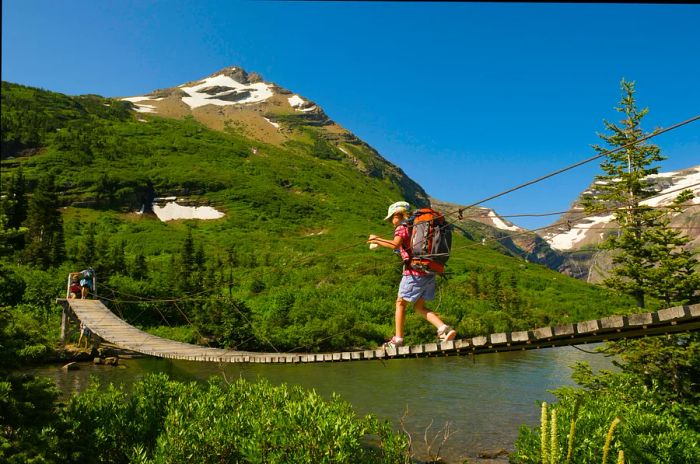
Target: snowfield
{"x":500,"y":224}
{"x":579,"y":231}
{"x":259,"y":92}
{"x":688,"y":181}
{"x":222,"y":90}
{"x":679,"y":180}
{"x":298,"y":103}
{"x":274,"y":124}
{"x":142,"y":108}
{"x":172,"y":211}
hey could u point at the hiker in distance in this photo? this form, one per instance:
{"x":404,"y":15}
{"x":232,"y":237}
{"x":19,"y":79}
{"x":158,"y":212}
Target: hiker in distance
{"x":418,"y":281}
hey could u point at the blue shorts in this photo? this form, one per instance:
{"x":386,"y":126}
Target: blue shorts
{"x":414,"y":287}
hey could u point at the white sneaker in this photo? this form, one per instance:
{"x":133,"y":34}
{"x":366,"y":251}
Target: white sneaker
{"x":446,"y":333}
{"x":394,"y":343}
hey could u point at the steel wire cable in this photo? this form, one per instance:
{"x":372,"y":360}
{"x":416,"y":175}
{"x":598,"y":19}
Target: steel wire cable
{"x":580,"y":163}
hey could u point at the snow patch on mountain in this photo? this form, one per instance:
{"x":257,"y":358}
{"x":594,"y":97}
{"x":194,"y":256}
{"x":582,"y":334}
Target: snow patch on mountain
{"x":578,"y":232}
{"x":298,"y":103}
{"x":223,"y":90}
{"x":140,"y":98}
{"x":274,"y":124}
{"x":670,"y":183}
{"x":172,"y":211}
{"x":500,"y":224}
{"x":145,"y":108}
{"x":690,"y":181}
{"x":142,"y":108}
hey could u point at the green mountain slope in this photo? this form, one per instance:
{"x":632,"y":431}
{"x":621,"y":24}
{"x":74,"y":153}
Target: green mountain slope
{"x":286,"y":267}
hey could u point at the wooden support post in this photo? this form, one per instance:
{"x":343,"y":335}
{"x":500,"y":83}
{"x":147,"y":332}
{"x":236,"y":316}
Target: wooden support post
{"x":65,"y":320}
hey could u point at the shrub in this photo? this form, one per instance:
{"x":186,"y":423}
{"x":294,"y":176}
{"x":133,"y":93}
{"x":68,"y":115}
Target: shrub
{"x":165,"y":422}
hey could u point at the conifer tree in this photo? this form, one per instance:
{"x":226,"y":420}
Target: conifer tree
{"x":187,"y":263}
{"x":673,"y":279}
{"x":45,"y":247}
{"x":646,"y":253}
{"x":86,"y":249}
{"x":117,"y":261}
{"x":101,"y":260}
{"x":9,"y":236}
{"x":15,"y":202}
{"x":139,"y":270}
{"x":13,"y":208}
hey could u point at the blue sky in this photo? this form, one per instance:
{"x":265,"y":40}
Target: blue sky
{"x":469,"y":99}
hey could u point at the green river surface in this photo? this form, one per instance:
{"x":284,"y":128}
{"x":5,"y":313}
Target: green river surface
{"x":484,"y":398}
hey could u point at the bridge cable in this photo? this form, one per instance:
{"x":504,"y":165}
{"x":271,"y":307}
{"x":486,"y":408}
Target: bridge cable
{"x":581,"y":163}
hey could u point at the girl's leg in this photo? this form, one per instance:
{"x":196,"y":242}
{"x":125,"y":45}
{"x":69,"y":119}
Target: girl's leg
{"x":400,"y":315}
{"x":427,"y":314}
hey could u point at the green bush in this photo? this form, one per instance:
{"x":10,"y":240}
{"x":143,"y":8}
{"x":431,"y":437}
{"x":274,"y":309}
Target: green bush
{"x":23,"y":338}
{"x":164,"y":421}
{"x":27,"y":417}
{"x":247,"y":422}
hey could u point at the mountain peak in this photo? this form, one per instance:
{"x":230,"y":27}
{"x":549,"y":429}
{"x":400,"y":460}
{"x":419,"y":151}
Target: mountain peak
{"x":232,"y":94}
{"x":239,"y":75}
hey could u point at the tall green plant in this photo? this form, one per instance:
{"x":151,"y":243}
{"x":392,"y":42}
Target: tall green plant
{"x":45,"y":247}
{"x":645,"y":249}
{"x":14,"y":202}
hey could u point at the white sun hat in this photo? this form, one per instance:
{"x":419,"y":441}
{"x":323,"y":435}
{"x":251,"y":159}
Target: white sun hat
{"x":397,"y":207}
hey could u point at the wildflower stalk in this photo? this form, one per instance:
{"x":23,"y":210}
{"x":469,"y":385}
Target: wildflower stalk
{"x":544,"y":434}
{"x":621,"y":457}
{"x":553,"y":447}
{"x":608,"y":439}
{"x":572,"y":432}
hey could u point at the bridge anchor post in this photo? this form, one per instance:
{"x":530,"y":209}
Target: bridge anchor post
{"x":65,"y":321}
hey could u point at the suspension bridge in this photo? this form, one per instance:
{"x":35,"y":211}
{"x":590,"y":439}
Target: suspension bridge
{"x":107,"y":327}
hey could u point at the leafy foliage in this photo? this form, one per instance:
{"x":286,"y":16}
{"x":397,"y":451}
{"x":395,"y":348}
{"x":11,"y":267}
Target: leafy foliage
{"x":165,"y":421}
{"x":27,"y":416}
{"x":45,"y":245}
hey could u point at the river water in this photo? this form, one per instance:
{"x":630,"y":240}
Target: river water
{"x":484,"y":398}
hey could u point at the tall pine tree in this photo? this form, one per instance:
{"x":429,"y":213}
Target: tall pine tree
{"x":187,"y":264}
{"x":86,"y":249}
{"x":15,"y":201}
{"x":13,"y":208}
{"x":45,"y":241}
{"x":647,"y":254}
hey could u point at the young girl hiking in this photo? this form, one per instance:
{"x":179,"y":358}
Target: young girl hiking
{"x":417,"y":285}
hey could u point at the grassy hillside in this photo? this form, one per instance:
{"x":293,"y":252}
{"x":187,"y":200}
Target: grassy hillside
{"x":287,"y":266}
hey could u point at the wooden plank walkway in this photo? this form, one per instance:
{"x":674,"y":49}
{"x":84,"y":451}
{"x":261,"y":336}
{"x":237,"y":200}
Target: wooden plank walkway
{"x":102,"y":322}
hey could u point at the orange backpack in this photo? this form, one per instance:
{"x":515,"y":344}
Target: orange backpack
{"x":430,"y":240}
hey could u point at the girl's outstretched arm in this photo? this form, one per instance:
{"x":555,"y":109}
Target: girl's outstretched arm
{"x":393,"y":244}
